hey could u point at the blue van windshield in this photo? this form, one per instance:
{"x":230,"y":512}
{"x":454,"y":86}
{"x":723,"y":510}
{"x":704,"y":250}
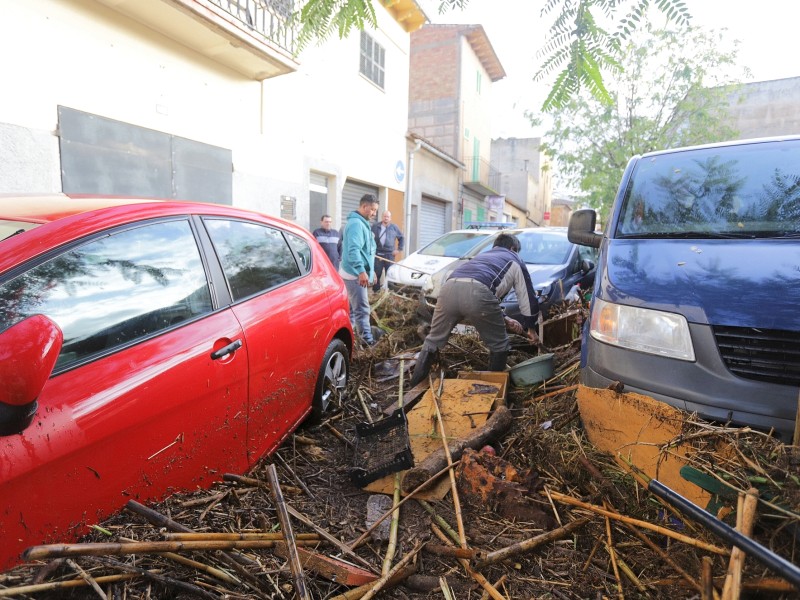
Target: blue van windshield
{"x":746,"y":190}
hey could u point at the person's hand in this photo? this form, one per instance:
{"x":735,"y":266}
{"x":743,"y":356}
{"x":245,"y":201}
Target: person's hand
{"x":514,"y":326}
{"x":533,"y":336}
{"x":363,"y":279}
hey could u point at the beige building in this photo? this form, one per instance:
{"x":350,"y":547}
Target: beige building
{"x":452,"y":69}
{"x":766,"y":108}
{"x":525,"y":177}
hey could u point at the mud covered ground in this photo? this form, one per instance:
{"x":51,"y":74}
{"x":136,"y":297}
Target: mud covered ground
{"x":563,"y":476}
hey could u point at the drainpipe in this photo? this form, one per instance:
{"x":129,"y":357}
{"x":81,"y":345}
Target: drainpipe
{"x":409,"y":188}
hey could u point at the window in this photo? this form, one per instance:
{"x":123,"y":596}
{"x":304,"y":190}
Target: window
{"x":478,"y":80}
{"x":373,"y":57}
{"x":113,"y":291}
{"x":255,"y":258}
{"x":302,"y":250}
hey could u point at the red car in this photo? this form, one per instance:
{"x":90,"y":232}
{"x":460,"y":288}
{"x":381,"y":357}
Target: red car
{"x":149,"y":347}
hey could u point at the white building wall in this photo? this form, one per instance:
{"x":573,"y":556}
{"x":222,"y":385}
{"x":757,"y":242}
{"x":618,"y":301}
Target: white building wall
{"x":347,"y":127}
{"x":83,"y":55}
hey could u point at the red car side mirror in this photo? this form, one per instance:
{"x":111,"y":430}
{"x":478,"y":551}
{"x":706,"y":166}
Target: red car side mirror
{"x":28,"y":353}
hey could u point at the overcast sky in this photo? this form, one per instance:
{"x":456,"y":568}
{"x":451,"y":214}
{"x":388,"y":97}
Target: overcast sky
{"x":766,"y":29}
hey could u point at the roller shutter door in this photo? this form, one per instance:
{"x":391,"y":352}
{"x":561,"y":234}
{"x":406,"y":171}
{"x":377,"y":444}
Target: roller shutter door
{"x":351,"y":196}
{"x":432,"y":222}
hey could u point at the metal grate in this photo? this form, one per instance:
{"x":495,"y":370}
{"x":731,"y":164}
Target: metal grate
{"x":381,"y":448}
{"x":270,"y":18}
{"x":762,"y":354}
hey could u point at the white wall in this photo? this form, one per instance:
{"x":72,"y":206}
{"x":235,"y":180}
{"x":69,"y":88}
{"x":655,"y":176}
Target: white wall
{"x":83,"y":55}
{"x":346,"y":120}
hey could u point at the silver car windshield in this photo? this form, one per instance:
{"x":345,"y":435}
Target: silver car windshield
{"x":538,"y":247}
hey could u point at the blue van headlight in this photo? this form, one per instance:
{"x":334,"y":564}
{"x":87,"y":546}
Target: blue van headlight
{"x":652,"y":331}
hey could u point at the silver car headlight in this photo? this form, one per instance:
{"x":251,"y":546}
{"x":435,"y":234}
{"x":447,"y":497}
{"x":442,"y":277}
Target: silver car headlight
{"x":544,"y":290}
{"x":642,"y":329}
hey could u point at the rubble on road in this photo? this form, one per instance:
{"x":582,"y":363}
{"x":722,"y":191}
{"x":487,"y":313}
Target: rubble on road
{"x":540,"y":513}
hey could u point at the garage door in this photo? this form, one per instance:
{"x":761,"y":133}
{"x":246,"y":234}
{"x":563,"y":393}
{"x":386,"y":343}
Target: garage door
{"x":351,"y":196}
{"x":432,"y":222}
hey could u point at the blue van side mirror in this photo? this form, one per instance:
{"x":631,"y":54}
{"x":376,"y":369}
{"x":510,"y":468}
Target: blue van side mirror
{"x":581,"y":228}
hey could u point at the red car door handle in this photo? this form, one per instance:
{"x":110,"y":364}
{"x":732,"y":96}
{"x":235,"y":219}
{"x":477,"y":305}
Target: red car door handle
{"x":225,"y":350}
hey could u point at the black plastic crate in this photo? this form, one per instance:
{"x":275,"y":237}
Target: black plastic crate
{"x":381,"y":448}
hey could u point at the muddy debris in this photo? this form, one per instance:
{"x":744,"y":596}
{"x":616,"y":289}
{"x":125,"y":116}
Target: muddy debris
{"x":539,"y":513}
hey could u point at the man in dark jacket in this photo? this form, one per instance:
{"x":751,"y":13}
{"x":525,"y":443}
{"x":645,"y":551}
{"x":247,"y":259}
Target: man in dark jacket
{"x":330,"y":240}
{"x":472,"y":293}
{"x":389,"y":241}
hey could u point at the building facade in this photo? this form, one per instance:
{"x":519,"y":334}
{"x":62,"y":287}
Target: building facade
{"x":203,"y":100}
{"x":452,"y":69}
{"x":525,"y":177}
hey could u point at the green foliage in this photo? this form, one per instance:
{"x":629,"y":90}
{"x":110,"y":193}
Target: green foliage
{"x":584,"y":50}
{"x":671,"y":91}
{"x":577,"y":46}
{"x":318,"y":19}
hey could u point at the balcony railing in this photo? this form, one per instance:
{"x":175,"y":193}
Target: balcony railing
{"x":268,"y":18}
{"x":480,"y":173}
{"x":252,"y":37}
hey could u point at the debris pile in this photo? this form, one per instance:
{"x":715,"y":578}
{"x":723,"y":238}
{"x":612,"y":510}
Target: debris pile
{"x":539,"y":512}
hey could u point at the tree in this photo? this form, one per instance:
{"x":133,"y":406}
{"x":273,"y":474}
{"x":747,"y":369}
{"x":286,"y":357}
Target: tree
{"x":672,"y":91}
{"x":577,"y":44}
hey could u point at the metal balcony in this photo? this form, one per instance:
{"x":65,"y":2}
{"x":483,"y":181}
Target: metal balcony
{"x":251,"y":37}
{"x":480,"y":176}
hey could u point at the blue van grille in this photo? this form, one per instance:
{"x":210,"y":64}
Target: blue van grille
{"x":761,"y":354}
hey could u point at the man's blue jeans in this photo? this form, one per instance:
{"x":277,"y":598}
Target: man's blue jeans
{"x":359,"y":309}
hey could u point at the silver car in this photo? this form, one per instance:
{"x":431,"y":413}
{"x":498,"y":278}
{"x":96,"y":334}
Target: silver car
{"x":555,"y":265}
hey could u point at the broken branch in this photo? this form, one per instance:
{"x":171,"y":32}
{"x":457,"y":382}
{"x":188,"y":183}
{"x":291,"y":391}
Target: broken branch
{"x":286,"y":525}
{"x":529,"y":544}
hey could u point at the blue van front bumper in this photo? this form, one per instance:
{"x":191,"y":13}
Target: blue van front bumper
{"x":705,"y":386}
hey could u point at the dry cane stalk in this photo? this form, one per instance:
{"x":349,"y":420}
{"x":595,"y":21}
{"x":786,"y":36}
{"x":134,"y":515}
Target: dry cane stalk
{"x":122,"y":548}
{"x":707,"y":579}
{"x":87,"y":578}
{"x":249,"y":535}
{"x":194,"y":564}
{"x":378,"y":585}
{"x":529,"y":544}
{"x":332,"y":539}
{"x":771,"y":585}
{"x":482,"y":581}
{"x":496,"y":584}
{"x":613,"y":555}
{"x":59,"y":585}
{"x":234,"y":560}
{"x":390,"y":549}
{"x":456,"y":501}
{"x":745,"y":521}
{"x":359,"y":592}
{"x":643,"y":524}
{"x":286,"y":525}
{"x":360,"y":540}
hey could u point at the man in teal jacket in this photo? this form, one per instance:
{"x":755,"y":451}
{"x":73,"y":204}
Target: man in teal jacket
{"x":358,"y":259}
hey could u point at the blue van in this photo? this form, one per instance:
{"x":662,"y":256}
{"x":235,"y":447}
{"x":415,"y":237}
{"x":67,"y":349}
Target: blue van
{"x":696,"y":301}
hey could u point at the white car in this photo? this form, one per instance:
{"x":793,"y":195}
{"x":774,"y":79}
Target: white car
{"x":414,"y":270}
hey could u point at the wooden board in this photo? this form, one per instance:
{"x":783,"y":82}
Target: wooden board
{"x":465,"y":404}
{"x":637,"y":427}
